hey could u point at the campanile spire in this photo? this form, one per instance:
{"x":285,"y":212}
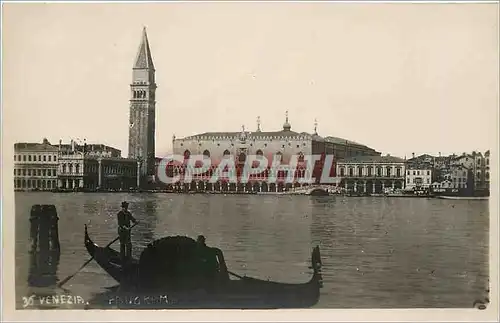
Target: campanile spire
{"x":143,"y":59}
{"x":142,"y":117}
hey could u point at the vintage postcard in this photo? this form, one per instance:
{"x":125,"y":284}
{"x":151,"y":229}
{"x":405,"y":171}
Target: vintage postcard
{"x":297,"y":160}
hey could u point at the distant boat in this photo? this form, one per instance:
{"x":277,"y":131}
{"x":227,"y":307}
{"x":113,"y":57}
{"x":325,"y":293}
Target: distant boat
{"x":463,"y":197}
{"x":245,"y":292}
{"x":461,"y":194}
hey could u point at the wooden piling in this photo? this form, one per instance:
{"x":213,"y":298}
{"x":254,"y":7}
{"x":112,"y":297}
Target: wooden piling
{"x":34,"y":221}
{"x":44,"y":231}
{"x":51,"y":214}
{"x":45,"y":246}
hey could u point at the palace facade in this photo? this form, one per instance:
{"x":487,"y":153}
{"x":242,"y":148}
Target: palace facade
{"x":35,"y":166}
{"x":43,"y":166}
{"x":281,"y":144}
{"x":371,"y":174}
{"x":284,"y":143}
{"x":94,"y":167}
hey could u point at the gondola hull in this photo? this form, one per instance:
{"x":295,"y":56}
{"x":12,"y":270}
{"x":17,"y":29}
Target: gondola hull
{"x":244,"y":293}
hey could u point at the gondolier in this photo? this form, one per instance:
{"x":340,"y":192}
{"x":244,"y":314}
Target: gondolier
{"x":124,"y":219}
{"x":149,"y":276}
{"x":212,"y":263}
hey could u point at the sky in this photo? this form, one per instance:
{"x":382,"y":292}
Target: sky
{"x":400,"y":78}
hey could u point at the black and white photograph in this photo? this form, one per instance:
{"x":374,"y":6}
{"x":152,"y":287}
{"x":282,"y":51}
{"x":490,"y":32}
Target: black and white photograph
{"x":265,"y":156}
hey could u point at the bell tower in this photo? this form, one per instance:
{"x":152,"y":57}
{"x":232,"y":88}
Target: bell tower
{"x":142,"y":115}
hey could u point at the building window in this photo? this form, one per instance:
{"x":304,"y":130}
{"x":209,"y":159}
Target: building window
{"x":351,"y":172}
{"x":50,"y":158}
{"x":15,"y":157}
{"x":398,"y":172}
{"x":414,"y":173}
{"x":45,"y":158}
{"x":39,"y":157}
{"x":408,"y":180}
{"x":24,"y":172}
{"x":428,"y":173}
{"x":360,"y":171}
{"x":342,"y":171}
{"x":29,"y":157}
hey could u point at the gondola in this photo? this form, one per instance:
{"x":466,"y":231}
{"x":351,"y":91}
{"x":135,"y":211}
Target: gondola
{"x":243,"y":293}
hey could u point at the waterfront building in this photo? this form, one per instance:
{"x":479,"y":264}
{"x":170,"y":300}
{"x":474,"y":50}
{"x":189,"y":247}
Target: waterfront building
{"x":458,"y":176}
{"x":371,"y":174}
{"x":95,"y":166}
{"x":465,"y":160}
{"x":142,"y":111}
{"x":422,"y":161}
{"x":284,"y":142}
{"x":281,"y":144}
{"x":35,"y":166}
{"x":481,"y":170}
{"x":418,"y":177}
{"x":479,"y":165}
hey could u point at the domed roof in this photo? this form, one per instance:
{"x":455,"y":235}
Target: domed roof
{"x":287,"y":126}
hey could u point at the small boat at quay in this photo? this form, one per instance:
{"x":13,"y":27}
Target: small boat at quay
{"x":446,"y":197}
{"x":164,"y":268}
{"x":462,"y":194}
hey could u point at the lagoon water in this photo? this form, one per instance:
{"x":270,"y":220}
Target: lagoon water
{"x":376,"y":252}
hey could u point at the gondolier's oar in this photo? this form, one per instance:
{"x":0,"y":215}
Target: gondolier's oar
{"x":236,"y":275}
{"x":64,"y":281}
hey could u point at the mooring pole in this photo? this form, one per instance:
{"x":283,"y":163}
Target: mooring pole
{"x":45,"y":246}
{"x":43,"y":229}
{"x":51,"y":214}
{"x":34,"y":221}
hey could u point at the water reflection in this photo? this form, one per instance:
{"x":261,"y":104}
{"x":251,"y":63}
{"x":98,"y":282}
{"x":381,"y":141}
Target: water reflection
{"x":379,"y":252}
{"x":43,"y":269}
